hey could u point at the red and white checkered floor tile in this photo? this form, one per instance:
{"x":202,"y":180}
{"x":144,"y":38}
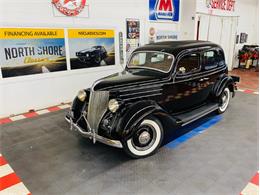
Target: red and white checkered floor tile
{"x":252,"y":187}
{"x":10,"y":183}
{"x":248,"y":91}
{"x":33,"y":114}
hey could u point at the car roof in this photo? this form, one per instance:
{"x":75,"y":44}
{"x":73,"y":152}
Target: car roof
{"x":175,"y":47}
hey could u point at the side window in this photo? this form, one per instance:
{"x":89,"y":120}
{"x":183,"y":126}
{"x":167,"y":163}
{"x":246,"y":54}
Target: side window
{"x":139,"y":59}
{"x":212,"y":59}
{"x":188,"y":64}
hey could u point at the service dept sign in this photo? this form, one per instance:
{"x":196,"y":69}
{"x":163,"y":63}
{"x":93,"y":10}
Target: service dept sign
{"x":70,"y":7}
{"x":164,"y":10}
{"x":225,"y":5}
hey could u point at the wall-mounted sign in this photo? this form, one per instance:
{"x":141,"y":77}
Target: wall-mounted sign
{"x":162,"y":35}
{"x":166,"y":35}
{"x":152,"y":35}
{"x":161,"y":10}
{"x":121,"y":48}
{"x":70,"y":7}
{"x":26,"y":51}
{"x":227,"y":5}
{"x":243,"y":37}
{"x":91,"y":48}
{"x":132,"y":36}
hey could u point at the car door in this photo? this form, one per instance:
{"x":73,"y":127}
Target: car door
{"x":183,"y":94}
{"x":212,"y":66}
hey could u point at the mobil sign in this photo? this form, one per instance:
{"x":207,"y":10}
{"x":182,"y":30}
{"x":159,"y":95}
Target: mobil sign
{"x":164,"y":10}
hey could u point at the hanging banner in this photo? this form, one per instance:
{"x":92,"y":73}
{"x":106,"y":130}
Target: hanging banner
{"x":26,"y":51}
{"x":164,"y":10}
{"x":91,"y":48}
{"x":132,"y":36}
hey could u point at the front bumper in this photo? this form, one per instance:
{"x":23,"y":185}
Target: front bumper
{"x":89,"y":134}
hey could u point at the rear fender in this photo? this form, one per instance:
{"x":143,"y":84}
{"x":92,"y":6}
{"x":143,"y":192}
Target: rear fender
{"x":223,"y":82}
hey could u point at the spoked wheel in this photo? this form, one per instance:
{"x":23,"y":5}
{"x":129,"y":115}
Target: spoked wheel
{"x":224,"y":101}
{"x":146,"y":140}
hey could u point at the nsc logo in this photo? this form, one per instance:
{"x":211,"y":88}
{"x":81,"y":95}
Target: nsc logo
{"x":164,"y":10}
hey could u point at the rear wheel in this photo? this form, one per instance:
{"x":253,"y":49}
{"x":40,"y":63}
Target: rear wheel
{"x":224,"y":100}
{"x":146,"y":140}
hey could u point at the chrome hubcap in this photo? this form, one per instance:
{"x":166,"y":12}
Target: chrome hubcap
{"x":144,"y":137}
{"x":224,"y":100}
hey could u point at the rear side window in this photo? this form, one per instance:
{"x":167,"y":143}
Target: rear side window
{"x":212,"y":59}
{"x":189,"y":63}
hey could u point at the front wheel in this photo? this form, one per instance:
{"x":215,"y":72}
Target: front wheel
{"x":146,"y":140}
{"x":224,"y":101}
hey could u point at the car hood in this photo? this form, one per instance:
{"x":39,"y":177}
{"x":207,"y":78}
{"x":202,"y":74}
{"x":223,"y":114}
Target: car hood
{"x":87,"y":50}
{"x":128,"y":78}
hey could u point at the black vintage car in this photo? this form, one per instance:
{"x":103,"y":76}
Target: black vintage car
{"x":93,"y":55}
{"x":165,"y":85}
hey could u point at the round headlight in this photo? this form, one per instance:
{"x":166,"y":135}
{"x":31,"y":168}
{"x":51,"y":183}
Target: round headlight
{"x":113,"y":105}
{"x":82,"y":95}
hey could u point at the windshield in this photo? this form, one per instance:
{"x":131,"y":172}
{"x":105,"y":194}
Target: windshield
{"x":96,"y":47}
{"x":151,"y":60}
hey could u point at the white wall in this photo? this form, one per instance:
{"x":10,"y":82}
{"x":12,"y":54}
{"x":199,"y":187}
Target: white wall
{"x":188,"y":25}
{"x":21,"y":94}
{"x":246,"y":10}
{"x":248,"y":23}
{"x":248,"y":20}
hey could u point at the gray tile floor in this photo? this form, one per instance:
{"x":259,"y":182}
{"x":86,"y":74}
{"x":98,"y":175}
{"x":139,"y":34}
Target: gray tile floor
{"x":52,"y":160}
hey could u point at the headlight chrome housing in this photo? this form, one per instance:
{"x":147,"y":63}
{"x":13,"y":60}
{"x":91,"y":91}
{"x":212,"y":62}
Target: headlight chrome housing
{"x":113,"y":105}
{"x":82,"y":95}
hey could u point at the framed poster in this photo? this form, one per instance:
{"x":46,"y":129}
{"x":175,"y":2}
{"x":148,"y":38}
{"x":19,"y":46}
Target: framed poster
{"x":243,"y":37}
{"x":91,"y":48}
{"x":132,"y":36}
{"x":164,"y":10}
{"x":27,"y":51}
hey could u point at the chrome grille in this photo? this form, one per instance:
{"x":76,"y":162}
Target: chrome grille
{"x":97,"y":107}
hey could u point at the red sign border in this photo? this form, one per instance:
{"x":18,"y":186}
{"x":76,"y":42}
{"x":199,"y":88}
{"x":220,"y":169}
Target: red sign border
{"x":69,"y":12}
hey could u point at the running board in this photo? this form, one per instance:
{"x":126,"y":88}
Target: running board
{"x":189,"y":117}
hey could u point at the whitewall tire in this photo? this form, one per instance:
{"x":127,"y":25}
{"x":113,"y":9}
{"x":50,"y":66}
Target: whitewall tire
{"x":224,"y":100}
{"x":146,"y":140}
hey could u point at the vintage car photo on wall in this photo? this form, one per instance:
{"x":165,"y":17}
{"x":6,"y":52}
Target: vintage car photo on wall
{"x":91,"y":48}
{"x":165,"y":85}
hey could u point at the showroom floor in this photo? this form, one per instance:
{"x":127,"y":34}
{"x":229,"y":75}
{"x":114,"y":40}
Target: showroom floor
{"x":249,"y":79}
{"x":221,"y":159}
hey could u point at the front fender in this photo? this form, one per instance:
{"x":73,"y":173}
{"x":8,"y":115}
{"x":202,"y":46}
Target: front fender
{"x":133,"y":116}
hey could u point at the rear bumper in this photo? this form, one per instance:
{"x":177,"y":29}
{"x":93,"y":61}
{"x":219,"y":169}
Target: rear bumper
{"x":90,"y":135}
{"x":236,"y":79}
